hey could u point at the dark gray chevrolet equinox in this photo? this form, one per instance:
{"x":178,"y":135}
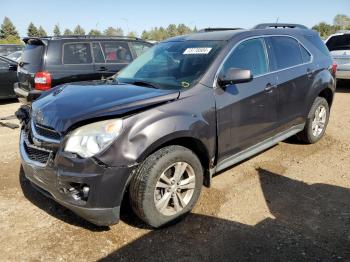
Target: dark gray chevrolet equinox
{"x":187,"y":108}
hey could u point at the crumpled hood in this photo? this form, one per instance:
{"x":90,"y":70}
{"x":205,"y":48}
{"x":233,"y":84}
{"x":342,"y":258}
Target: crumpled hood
{"x":69,"y":104}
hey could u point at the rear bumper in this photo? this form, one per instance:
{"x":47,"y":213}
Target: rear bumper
{"x":60,"y":174}
{"x":24,"y":96}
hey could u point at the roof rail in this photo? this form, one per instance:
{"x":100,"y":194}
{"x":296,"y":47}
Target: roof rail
{"x":84,"y":37}
{"x":213,"y":29}
{"x":279,"y":25}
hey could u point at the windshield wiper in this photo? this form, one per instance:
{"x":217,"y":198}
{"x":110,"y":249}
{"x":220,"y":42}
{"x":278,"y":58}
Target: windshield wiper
{"x":143,"y":83}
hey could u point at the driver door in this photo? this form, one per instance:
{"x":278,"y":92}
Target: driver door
{"x":246,"y":112}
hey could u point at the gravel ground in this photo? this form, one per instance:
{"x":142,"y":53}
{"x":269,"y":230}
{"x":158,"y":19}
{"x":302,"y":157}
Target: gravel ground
{"x":290,"y":203}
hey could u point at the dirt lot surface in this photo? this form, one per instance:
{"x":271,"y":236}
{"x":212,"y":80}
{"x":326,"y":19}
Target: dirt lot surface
{"x":290,"y":203}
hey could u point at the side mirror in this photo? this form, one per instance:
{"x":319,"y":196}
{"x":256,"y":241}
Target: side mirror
{"x":235,"y":76}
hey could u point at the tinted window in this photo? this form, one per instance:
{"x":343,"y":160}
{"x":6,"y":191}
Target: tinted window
{"x":286,"y":51}
{"x":33,"y":54}
{"x":305,"y":54}
{"x":139,"y":48}
{"x":249,"y":55}
{"x":339,"y":42}
{"x":77,"y":53}
{"x":98,"y":55}
{"x":116,"y":52}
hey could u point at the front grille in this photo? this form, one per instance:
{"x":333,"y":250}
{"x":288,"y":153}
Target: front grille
{"x":36,"y":154}
{"x":47,"y":132}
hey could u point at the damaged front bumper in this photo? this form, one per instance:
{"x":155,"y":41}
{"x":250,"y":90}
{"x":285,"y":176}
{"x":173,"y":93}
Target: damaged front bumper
{"x":88,"y":188}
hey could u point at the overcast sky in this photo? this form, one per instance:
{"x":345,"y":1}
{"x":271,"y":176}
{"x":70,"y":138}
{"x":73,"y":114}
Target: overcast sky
{"x":137,"y":15}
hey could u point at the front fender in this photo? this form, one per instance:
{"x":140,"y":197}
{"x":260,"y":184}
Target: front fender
{"x":191,"y":116}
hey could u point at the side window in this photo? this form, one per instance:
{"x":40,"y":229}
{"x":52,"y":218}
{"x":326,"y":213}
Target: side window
{"x":116,"y":52}
{"x":139,"y":47}
{"x":286,"y":51}
{"x":250,"y":55}
{"x":305,"y":54}
{"x":77,"y":53}
{"x":98,"y":55}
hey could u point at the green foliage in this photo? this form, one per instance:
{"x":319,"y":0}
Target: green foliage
{"x":95,"y":32}
{"x":161,"y":33}
{"x":8,"y":29}
{"x":41,"y":32}
{"x":78,"y":30}
{"x":114,"y":31}
{"x":325,"y":29}
{"x":132,"y":34}
{"x":11,"y":40}
{"x":56,"y":30}
{"x":342,"y":21}
{"x":32,"y":30}
{"x":67,"y":32}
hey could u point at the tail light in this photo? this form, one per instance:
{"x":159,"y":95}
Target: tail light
{"x":334,"y":68}
{"x":42,"y":80}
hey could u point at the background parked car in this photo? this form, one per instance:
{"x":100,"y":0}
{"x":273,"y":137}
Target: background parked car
{"x":8,"y":76}
{"x":9,"y":48}
{"x":339,"y":47}
{"x":50,"y":61}
{"x":15,"y":56}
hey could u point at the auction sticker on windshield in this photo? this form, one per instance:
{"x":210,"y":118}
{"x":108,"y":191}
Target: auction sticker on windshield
{"x":197,"y":51}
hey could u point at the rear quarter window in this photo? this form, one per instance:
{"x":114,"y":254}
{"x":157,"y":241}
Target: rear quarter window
{"x":305,"y":54}
{"x":77,"y":53}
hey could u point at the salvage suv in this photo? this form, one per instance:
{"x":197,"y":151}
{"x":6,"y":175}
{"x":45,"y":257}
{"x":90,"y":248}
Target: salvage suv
{"x":186,"y":109}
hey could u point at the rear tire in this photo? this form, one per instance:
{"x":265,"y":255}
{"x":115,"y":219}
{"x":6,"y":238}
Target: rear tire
{"x":316,"y":122}
{"x":166,"y":186}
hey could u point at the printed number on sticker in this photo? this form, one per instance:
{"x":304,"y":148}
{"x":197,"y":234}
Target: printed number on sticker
{"x":197,"y":51}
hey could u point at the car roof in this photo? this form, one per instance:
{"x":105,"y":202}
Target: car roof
{"x":228,"y":34}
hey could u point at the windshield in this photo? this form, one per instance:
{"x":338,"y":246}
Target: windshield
{"x":339,"y":42}
{"x":172,"y":64}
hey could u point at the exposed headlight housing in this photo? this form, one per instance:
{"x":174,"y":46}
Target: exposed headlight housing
{"x":89,"y":140}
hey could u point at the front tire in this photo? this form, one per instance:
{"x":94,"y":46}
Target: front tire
{"x":166,"y":186}
{"x":316,"y":123}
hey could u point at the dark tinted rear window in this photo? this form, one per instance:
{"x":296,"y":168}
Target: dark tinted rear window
{"x":286,"y":51}
{"x":305,"y":54}
{"x":339,"y":42}
{"x":77,"y":53}
{"x":33,"y":54}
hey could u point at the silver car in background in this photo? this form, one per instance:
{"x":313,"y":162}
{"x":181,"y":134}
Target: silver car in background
{"x":339,"y":47}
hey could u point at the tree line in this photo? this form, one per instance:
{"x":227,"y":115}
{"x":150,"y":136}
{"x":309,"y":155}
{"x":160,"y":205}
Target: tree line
{"x":9,"y":33}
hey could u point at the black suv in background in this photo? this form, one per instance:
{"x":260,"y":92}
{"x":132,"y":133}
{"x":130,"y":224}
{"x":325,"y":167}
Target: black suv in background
{"x":50,"y":61}
{"x":188,"y":108}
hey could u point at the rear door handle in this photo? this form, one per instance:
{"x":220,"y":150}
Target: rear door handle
{"x":269,"y":87}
